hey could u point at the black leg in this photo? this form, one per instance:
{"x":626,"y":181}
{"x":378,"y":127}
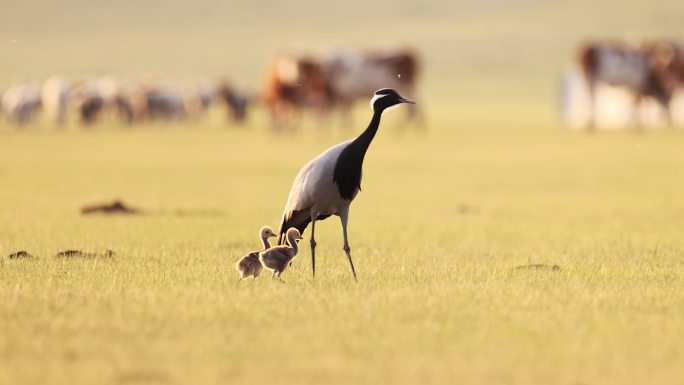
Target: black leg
{"x":346,"y":247}
{"x":313,"y":249}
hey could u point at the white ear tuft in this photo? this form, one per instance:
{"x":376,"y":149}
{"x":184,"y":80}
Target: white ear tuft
{"x":375,"y":97}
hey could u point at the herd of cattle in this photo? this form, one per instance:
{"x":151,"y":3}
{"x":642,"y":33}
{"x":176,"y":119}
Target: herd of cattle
{"x":618,"y":84}
{"x":95,"y":99}
{"x":292,"y":84}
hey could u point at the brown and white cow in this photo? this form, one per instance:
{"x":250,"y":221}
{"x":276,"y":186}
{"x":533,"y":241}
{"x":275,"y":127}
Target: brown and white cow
{"x":354,"y":75}
{"x":652,"y":69}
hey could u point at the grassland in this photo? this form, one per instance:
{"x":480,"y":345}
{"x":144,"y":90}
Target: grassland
{"x":440,"y":224}
{"x":444,"y":217}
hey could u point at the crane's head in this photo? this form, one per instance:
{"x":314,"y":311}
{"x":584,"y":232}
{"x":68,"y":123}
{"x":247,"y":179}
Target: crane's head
{"x":267,"y":232}
{"x":387,"y":97}
{"x":293,"y":233}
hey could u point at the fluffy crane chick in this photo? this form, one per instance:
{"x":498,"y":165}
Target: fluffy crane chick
{"x":278,"y":258}
{"x":249,"y":265}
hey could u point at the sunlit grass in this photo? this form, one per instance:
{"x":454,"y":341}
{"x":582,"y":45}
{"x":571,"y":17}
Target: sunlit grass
{"x":443,"y":219}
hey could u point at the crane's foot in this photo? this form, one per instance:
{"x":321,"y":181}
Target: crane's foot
{"x":347,"y":251}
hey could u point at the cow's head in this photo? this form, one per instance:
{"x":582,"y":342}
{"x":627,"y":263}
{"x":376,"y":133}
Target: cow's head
{"x":668,"y":63}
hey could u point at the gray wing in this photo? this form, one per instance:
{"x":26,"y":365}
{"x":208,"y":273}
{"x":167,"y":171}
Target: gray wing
{"x":312,"y":181}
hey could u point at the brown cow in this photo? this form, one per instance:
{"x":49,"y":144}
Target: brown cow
{"x":293,"y":83}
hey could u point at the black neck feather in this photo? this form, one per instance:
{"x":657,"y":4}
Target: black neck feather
{"x":347,"y":173}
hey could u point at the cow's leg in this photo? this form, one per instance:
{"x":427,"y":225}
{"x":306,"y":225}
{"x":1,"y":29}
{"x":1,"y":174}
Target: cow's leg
{"x":283,"y":116}
{"x":414,"y":112}
{"x":323,"y":114}
{"x":346,"y":115}
{"x":589,"y":62}
{"x":591,"y":124}
{"x":275,"y":117}
{"x":636,"y":112}
{"x":665,"y":102}
{"x":668,"y":117}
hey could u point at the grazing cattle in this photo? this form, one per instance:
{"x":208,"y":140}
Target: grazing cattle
{"x":161,"y":103}
{"x":235,"y":101}
{"x":55,"y":98}
{"x":654,"y":69}
{"x":90,"y":108}
{"x":87,"y":100}
{"x":198,"y":98}
{"x":97,"y":99}
{"x":354,"y":75}
{"x":123,"y":107}
{"x":293,"y":83}
{"x":165,"y":103}
{"x":116,"y":99}
{"x":151,"y":102}
{"x":20,"y":103}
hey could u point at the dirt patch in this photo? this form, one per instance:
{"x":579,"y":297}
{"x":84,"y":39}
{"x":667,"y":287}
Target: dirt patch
{"x":144,"y":376}
{"x":115,"y":207}
{"x":538,"y":266}
{"x":83,"y":254}
{"x":118,"y":207}
{"x":198,"y":213}
{"x":19,"y":255}
{"x":467,"y":209}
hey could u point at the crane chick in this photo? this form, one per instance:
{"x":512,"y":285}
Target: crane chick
{"x":249,"y":265}
{"x":278,"y":258}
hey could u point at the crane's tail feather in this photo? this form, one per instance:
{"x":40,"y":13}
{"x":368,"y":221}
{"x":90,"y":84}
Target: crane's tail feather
{"x":297,"y":219}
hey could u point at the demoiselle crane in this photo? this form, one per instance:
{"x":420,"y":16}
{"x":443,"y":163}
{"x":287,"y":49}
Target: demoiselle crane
{"x":329,"y":183}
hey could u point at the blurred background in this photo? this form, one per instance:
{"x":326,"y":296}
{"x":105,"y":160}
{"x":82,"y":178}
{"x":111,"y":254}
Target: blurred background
{"x":474,"y":58}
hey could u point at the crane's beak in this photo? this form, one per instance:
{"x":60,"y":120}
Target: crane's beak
{"x":409,"y":101}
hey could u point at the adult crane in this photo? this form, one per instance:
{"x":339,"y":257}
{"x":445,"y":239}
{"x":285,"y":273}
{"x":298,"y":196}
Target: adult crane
{"x":329,"y":183}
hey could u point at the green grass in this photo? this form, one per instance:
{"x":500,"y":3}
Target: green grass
{"x":444,"y":217}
